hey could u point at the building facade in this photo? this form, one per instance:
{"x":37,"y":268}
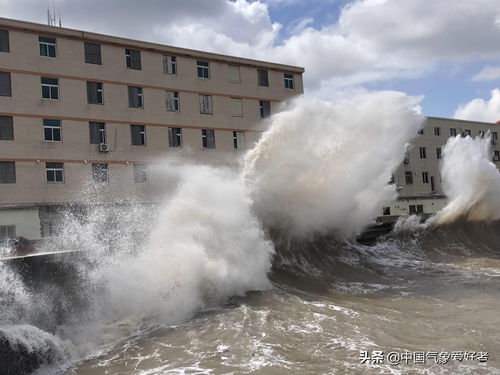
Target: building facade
{"x":77,"y":106}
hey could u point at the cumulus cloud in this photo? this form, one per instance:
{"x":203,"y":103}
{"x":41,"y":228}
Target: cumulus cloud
{"x":488,"y":73}
{"x":481,"y":110}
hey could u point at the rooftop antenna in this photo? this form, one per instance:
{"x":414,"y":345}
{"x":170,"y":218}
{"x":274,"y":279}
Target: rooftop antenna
{"x":60,"y":23}
{"x":51,"y":17}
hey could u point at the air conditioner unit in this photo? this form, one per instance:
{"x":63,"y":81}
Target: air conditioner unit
{"x":103,"y":147}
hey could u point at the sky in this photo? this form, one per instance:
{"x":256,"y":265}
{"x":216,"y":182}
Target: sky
{"x":447,"y":51}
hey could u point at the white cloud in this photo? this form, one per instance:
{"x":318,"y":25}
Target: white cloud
{"x":481,"y":110}
{"x":488,"y":73}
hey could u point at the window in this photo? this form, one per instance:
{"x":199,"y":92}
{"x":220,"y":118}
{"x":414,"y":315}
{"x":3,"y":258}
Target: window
{"x":416,"y":209}
{"x":97,"y":132}
{"x":175,"y":137}
{"x":169,"y":65}
{"x":408,"y":178}
{"x":133,"y":59}
{"x":203,"y":69}
{"x":55,"y":172}
{"x":236,"y":107}
{"x":425,"y":177}
{"x":422,"y":153}
{"x":466,"y":133}
{"x":208,"y":138}
{"x":421,"y":131}
{"x":138,"y":133}
{"x":239,"y":140}
{"x":438,"y":153}
{"x":494,"y":137}
{"x":140,"y":173}
{"x":95,"y":93}
{"x":437,"y":131}
{"x":481,"y":133}
{"x":4,"y":41}
{"x":52,"y":130}
{"x":386,"y":211}
{"x":47,"y":46}
{"x":262,"y":77}
{"x":265,"y":108}
{"x":173,"y":103}
{"x":50,"y":88}
{"x":496,"y":156}
{"x":5,"y":87}
{"x":7,"y":172}
{"x":100,"y":172}
{"x":7,"y":232}
{"x":453,"y":132}
{"x":206,"y":104}
{"x":135,"y":97}
{"x":6,"y":128}
{"x":92,"y":53}
{"x":234,"y":74}
{"x":289,"y":84}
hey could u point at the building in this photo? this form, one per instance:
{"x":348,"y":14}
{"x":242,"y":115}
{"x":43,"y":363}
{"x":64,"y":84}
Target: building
{"x":77,"y":106}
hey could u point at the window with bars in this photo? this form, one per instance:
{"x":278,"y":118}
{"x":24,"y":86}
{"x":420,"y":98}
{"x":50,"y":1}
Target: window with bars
{"x":138,"y":135}
{"x":133,"y":59}
{"x":55,"y":172}
{"x":141,"y":173}
{"x":206,"y":106}
{"x":52,"y":130}
{"x":135,"y":98}
{"x":289,"y":82}
{"x":203,"y":69}
{"x":265,"y":108}
{"x":7,"y":172}
{"x":100,"y":172}
{"x":236,"y":107}
{"x":208,"y":138}
{"x":169,"y":65}
{"x":172,"y":101}
{"x":92,"y":53}
{"x":50,"y":88}
{"x":4,"y":41}
{"x":7,"y":232}
{"x":234,"y":74}
{"x":239,"y":140}
{"x":6,"y":128}
{"x":5,"y":84}
{"x":47,"y":46}
{"x":175,"y":137}
{"x":97,"y":132}
{"x":262,"y":77}
{"x":95,"y":93}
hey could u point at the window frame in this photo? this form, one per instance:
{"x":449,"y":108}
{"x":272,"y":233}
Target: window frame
{"x":99,"y":92}
{"x":453,"y":132}
{"x":141,"y":134}
{"x":133,"y":59}
{"x":175,"y":137}
{"x":232,"y":77}
{"x":206,"y":104}
{"x":92,"y":57}
{"x":98,"y":132}
{"x":423,"y":152}
{"x":54,"y":171}
{"x":45,"y":43}
{"x":175,"y":101}
{"x":5,"y":36}
{"x":138,"y":172}
{"x":202,"y":70}
{"x":169,"y":64}
{"x":437,"y":131}
{"x":6,"y":123}
{"x":237,"y":102}
{"x":135,"y":95}
{"x":408,"y":177}
{"x":236,"y":140}
{"x":263,"y":107}
{"x":52,"y":128}
{"x":425,"y":177}
{"x":208,"y":138}
{"x":100,"y":173}
{"x":289,"y":81}
{"x":10,"y":167}
{"x":52,"y":87}
{"x":8,"y":90}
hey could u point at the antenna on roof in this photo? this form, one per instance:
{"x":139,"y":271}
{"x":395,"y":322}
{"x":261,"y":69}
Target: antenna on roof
{"x":51,"y":17}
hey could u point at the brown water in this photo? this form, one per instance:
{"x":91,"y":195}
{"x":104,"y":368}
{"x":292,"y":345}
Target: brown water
{"x":434,"y":291}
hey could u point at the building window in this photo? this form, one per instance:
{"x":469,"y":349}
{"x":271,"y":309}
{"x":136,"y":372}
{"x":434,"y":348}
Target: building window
{"x":239,"y":140}
{"x":409,"y":178}
{"x":133,"y":59}
{"x":437,"y":131}
{"x":138,"y":133}
{"x":169,"y":65}
{"x":175,"y":137}
{"x":466,"y":133}
{"x":438,"y":153}
{"x":262,"y":77}
{"x":100,"y":172}
{"x":140,"y":173}
{"x":135,"y":97}
{"x":203,"y":69}
{"x":52,"y":130}
{"x":95,"y":93}
{"x":173,"y":103}
{"x":421,"y":131}
{"x":423,"y":154}
{"x":236,"y":107}
{"x":234,"y":74}
{"x":496,"y":156}
{"x":50,"y":88}
{"x":7,"y":232}
{"x":4,"y":41}
{"x":55,"y":172}
{"x":481,"y":133}
{"x":416,"y":209}
{"x":47,"y":46}
{"x":425,"y":177}
{"x":494,"y":137}
{"x":5,"y":85}
{"x":92,"y":53}
{"x":208,"y":138}
{"x":7,"y":172}
{"x":289,"y":84}
{"x":97,"y":132}
{"x":453,"y":132}
{"x":206,"y":104}
{"x":6,"y":128}
{"x":265,"y":108}
{"x":386,"y":211}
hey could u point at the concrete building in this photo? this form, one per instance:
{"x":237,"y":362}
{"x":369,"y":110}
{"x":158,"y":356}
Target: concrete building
{"x":77,"y":106}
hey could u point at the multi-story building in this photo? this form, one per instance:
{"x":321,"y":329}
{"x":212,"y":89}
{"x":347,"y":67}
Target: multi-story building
{"x":77,"y":106}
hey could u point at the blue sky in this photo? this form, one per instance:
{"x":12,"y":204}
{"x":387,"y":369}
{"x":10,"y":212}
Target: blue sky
{"x":433,"y":49}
